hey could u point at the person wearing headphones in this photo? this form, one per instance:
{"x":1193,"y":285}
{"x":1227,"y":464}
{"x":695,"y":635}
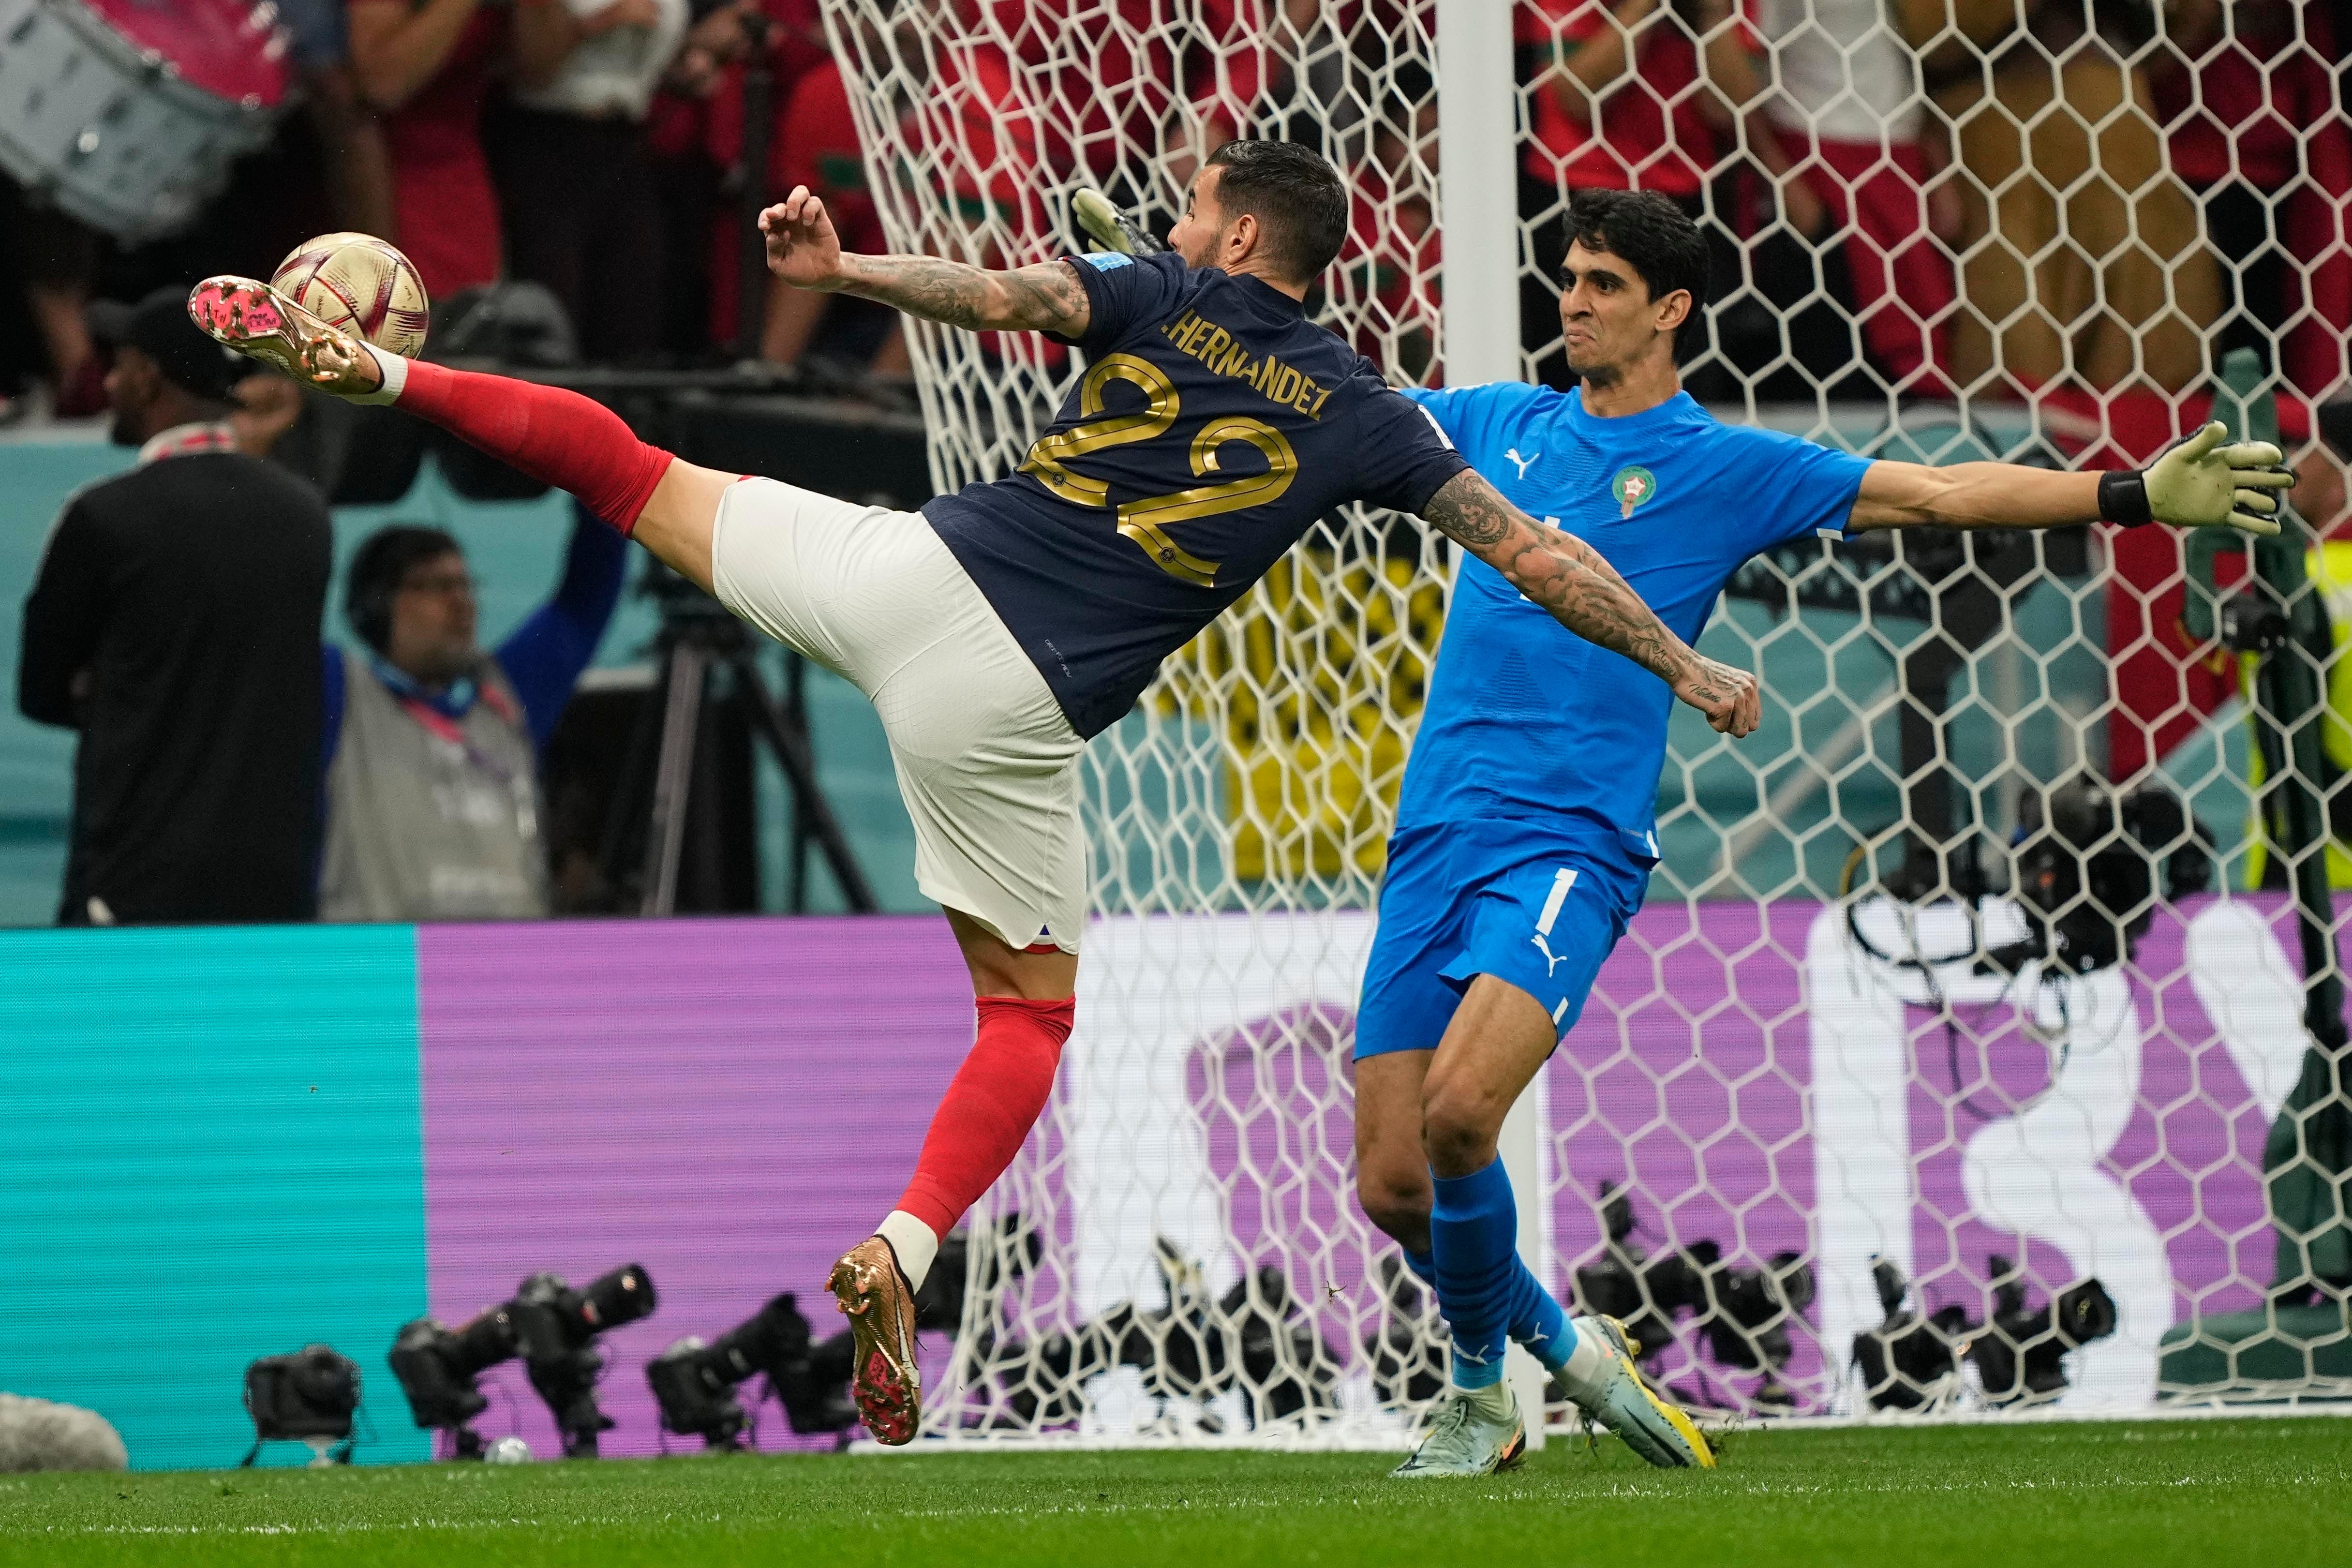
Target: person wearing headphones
{"x":432,"y":744}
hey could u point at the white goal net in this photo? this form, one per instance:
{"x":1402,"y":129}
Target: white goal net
{"x":1941,"y":1070}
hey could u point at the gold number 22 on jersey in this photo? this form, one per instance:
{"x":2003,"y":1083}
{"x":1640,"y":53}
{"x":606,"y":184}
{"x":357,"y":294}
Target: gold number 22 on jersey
{"x":1146,"y":521}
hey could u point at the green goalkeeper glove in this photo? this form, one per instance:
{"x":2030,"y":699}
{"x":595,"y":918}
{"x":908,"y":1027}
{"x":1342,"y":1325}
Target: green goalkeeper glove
{"x":1109,"y":229}
{"x":2200,"y":483}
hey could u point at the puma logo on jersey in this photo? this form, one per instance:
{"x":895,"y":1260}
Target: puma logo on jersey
{"x":1525,"y":463}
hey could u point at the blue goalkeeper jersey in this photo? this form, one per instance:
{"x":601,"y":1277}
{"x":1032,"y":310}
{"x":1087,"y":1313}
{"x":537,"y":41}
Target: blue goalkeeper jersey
{"x":1213,"y":426}
{"x":1527,"y":722}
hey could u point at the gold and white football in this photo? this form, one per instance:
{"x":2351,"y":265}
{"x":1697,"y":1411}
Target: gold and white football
{"x":360,"y":283}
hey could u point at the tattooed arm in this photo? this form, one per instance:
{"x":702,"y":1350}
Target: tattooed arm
{"x":1585,"y":594}
{"x":805,"y":251}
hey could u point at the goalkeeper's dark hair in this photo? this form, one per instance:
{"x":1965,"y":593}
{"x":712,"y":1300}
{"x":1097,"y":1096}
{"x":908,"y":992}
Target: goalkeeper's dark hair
{"x":382,"y":561}
{"x":1296,"y":197}
{"x":1656,"y":238}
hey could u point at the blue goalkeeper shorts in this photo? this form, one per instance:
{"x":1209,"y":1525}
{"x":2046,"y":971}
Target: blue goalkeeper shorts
{"x":1462,"y":899}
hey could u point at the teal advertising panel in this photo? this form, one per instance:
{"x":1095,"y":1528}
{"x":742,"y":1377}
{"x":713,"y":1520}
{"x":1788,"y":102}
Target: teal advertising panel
{"x":210,"y":1149}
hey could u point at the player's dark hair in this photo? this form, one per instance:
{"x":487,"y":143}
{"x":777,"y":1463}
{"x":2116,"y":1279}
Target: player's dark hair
{"x":383,"y":560}
{"x":1656,"y":238}
{"x":1294,"y":195}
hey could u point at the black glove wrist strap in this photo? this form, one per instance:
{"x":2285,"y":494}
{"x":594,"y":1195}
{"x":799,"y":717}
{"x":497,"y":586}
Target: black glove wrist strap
{"x":2123,"y":496}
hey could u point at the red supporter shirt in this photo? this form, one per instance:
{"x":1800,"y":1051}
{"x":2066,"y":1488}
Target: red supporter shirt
{"x":442,"y":194}
{"x":990,"y":126}
{"x":1642,"y":144}
{"x":2270,"y":102}
{"x":795,"y":46}
{"x":1106,"y":87}
{"x":796,"y":50}
{"x":2231,"y":105}
{"x":816,"y":146}
{"x":1390,"y":266}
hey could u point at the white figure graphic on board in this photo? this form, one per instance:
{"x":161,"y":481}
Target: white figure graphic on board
{"x":2038,"y":1173}
{"x":2253,"y":995}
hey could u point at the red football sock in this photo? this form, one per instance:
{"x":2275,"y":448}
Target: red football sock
{"x":997,"y":1096}
{"x":557,"y":436}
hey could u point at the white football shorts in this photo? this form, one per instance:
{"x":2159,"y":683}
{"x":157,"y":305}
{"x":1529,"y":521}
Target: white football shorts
{"x":987,"y":761}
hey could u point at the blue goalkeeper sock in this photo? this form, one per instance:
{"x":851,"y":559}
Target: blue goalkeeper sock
{"x":1475,"y":1268}
{"x":1486,"y":1294}
{"x":1537,"y":1323}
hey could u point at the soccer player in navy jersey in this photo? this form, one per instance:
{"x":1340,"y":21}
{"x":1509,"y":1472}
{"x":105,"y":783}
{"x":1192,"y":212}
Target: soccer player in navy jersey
{"x":998,"y":628}
{"x":1525,"y":830}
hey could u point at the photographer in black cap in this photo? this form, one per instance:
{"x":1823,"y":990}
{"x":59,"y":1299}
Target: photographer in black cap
{"x":174,"y":623}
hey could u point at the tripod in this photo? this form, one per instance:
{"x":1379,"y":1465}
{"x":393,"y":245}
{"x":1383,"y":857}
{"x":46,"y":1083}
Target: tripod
{"x":697,"y":638}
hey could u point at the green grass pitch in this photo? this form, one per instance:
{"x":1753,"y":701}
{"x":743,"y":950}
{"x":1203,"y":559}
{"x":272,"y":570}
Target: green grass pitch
{"x":2045,"y":1494}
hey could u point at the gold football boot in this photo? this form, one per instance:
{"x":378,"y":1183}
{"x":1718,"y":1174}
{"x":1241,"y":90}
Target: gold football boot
{"x":881,"y":1311}
{"x":261,"y":323}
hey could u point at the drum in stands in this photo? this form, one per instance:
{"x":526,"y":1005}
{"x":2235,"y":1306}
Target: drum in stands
{"x":126,"y":113}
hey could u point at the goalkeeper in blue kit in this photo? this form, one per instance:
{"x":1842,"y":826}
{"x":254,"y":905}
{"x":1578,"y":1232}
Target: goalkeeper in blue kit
{"x":1525,"y":832}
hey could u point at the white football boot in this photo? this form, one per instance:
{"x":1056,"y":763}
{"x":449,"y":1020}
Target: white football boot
{"x":1621,"y":1400}
{"x":1466,"y":1441}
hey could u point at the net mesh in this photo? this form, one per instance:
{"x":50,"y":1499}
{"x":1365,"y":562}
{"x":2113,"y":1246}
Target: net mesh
{"x":1931,"y":1075}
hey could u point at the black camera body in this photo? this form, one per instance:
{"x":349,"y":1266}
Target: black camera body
{"x":2087,"y":865}
{"x":308,"y":1397}
{"x":695,"y":1383}
{"x":1192,"y":1347}
{"x":437,"y":1366}
{"x":1742,"y":1311}
{"x":1286,"y":1369}
{"x":553,"y":1327}
{"x":2020,"y":1356}
{"x":556,"y":1329}
{"x":1909,"y":1362}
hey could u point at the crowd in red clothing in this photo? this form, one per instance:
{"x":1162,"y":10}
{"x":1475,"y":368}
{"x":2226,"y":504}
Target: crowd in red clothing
{"x":1872,"y":228}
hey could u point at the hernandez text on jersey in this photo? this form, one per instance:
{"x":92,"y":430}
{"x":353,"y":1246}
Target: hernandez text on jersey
{"x":1215,"y":425}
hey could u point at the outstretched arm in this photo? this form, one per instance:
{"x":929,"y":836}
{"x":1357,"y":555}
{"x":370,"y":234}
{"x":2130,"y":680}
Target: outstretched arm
{"x":1585,"y":594}
{"x":805,"y":251}
{"x":543,"y":657}
{"x":2200,"y":483}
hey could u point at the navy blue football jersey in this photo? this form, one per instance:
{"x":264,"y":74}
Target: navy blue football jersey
{"x":1214,"y":425}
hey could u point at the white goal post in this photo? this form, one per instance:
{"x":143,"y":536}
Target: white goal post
{"x":1833,"y":1148}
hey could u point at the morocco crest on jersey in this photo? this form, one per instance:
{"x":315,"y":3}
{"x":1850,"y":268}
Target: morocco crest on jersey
{"x":1632,"y":486}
